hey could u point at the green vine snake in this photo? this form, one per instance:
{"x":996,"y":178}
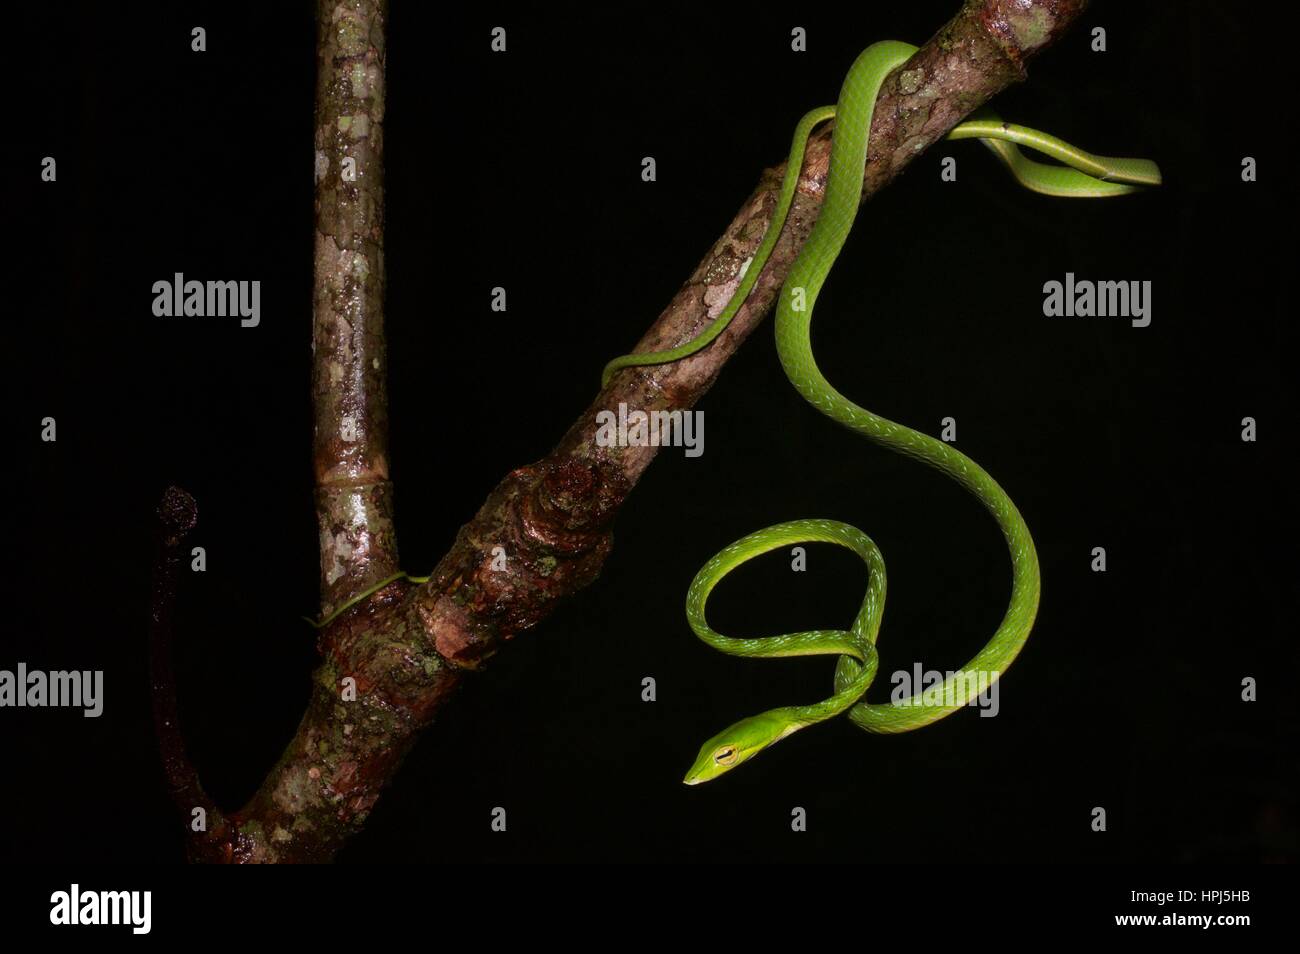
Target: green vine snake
{"x":1080,"y":175}
{"x":368,"y":592}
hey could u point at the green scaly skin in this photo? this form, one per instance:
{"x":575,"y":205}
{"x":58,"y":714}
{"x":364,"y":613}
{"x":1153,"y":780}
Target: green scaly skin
{"x":363,"y":595}
{"x":1082,"y":176}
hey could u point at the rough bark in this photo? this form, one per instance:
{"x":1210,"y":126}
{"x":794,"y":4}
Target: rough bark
{"x":408,"y":646}
{"x":354,"y":498}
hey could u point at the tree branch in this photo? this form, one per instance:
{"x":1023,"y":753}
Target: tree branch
{"x":177,"y":516}
{"x":354,"y":497}
{"x":407,"y":647}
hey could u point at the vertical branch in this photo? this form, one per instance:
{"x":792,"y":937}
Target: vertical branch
{"x":354,"y":498}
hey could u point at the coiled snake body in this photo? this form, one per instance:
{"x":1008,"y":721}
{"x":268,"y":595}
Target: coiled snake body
{"x":1082,"y":175}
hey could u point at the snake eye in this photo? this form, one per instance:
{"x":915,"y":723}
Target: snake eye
{"x":725,"y":755}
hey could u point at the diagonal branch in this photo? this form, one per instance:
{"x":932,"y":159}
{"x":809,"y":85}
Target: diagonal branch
{"x":559,"y":509}
{"x":404,"y":649}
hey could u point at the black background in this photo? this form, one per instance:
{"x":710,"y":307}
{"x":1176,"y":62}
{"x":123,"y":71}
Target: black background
{"x":523,"y":171}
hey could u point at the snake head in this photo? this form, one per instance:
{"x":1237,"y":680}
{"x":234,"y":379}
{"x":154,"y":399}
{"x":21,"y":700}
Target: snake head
{"x":739,"y":743}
